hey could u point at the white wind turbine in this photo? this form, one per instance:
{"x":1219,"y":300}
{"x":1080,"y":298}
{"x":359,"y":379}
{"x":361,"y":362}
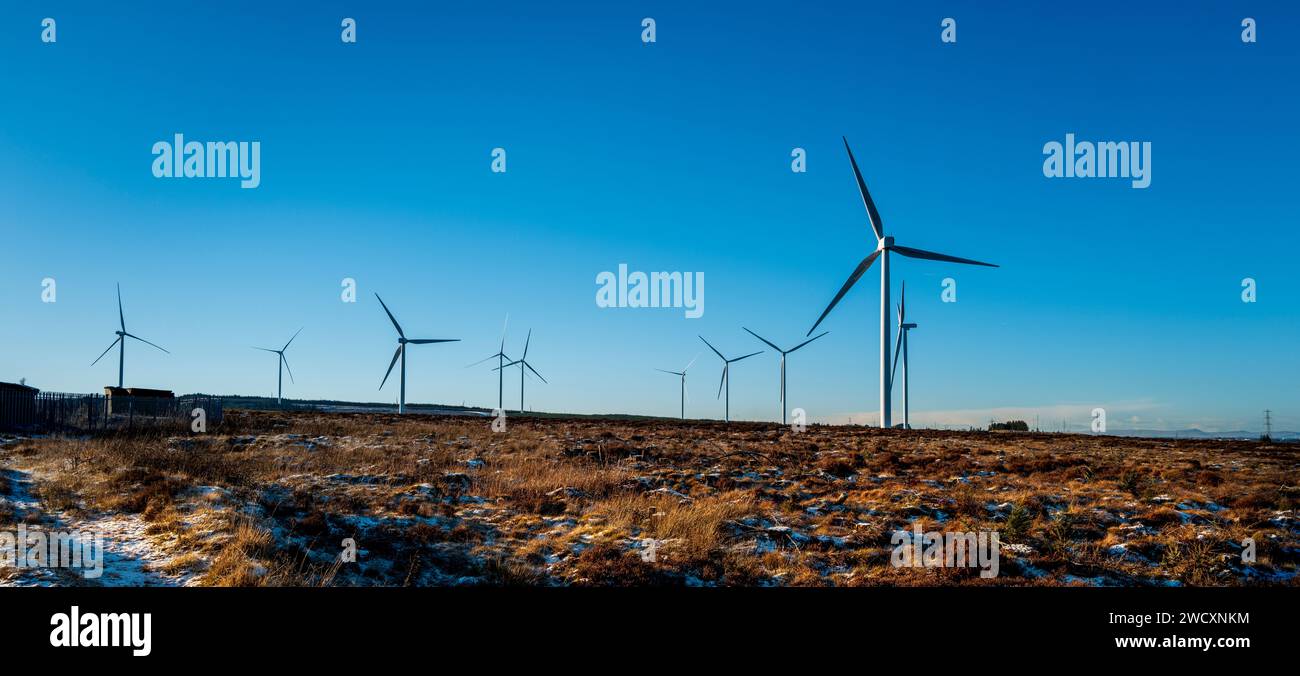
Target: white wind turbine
{"x":402,"y":342}
{"x":282,"y":365}
{"x":904,"y":327}
{"x":522,"y":362}
{"x":726,"y":373}
{"x":120,"y":342}
{"x":501,"y":358}
{"x":783,"y":354}
{"x":884,"y":245}
{"x":682,"y":373}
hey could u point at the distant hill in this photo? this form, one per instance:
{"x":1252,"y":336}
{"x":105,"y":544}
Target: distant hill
{"x":1194,"y":433}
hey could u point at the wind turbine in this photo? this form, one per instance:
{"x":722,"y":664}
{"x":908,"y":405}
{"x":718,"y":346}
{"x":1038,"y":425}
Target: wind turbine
{"x":903,"y":329}
{"x":522,"y":362}
{"x":281,"y":365}
{"x":402,"y":342}
{"x":500,"y":356}
{"x":120,"y":342}
{"x":783,"y":354}
{"x":884,"y":245}
{"x":682,"y":373}
{"x":726,"y":371}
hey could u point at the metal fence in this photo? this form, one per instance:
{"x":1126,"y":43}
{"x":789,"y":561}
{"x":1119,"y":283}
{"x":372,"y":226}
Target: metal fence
{"x":64,"y":412}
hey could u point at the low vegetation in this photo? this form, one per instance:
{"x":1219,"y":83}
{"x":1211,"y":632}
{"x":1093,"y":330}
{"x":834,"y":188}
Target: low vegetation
{"x":282,"y":498}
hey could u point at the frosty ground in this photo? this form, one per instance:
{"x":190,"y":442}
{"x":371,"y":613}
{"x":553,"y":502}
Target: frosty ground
{"x":276,"y":498}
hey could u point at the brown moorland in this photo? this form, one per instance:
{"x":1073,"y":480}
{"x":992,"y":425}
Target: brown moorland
{"x":271,"y":497}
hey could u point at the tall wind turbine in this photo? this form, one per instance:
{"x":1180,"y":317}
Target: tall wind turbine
{"x":281,"y":365}
{"x":884,"y":245}
{"x":522,"y":362}
{"x":120,"y":342}
{"x":726,"y":372}
{"x":682,"y":373}
{"x":402,"y":342}
{"x":903,"y":329}
{"x":501,"y":358}
{"x":783,"y":354}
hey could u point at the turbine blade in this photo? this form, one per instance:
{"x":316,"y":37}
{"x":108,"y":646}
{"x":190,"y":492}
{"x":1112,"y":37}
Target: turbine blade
{"x":391,"y":364}
{"x":898,"y":347}
{"x":286,"y":367}
{"x":110,"y":346}
{"x":848,"y":284}
{"x":902,"y":301}
{"x":692,"y":363}
{"x":426,"y":341}
{"x":715,"y":350}
{"x":722,"y":382}
{"x":808,"y":341}
{"x":147,"y":342}
{"x":504,"y":326}
{"x":481,"y":361}
{"x":676,"y":373}
{"x":774,"y":347}
{"x":265,"y":349}
{"x":508,"y":364}
{"x":295,"y":335}
{"x":527,"y":340}
{"x":391,"y":317}
{"x":930,"y":255}
{"x":121,"y":317}
{"x":729,"y":361}
{"x":530,"y":368}
{"x":874,"y":216}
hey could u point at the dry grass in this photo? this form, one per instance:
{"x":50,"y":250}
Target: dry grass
{"x":271,"y":497}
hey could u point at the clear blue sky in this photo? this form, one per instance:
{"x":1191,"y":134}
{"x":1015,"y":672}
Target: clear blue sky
{"x":670,"y":156}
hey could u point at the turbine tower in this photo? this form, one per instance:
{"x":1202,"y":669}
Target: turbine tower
{"x":726,"y":380}
{"x":783,"y":354}
{"x":901,"y":340}
{"x":522,"y":362}
{"x":282,"y":364}
{"x":682,"y":373}
{"x":884,"y":246}
{"x":402,"y":342}
{"x":501,"y":358}
{"x":120,"y":342}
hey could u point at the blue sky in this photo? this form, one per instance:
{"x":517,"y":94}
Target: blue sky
{"x":669,"y":156}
